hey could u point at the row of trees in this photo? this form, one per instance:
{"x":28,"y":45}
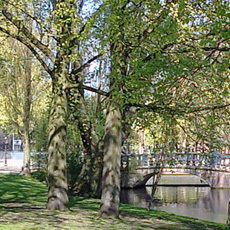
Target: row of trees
{"x":23,"y":93}
{"x":113,"y":65}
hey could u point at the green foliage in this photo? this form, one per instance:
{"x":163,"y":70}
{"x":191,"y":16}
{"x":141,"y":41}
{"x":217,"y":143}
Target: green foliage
{"x":74,"y":165}
{"x":40,"y":134}
{"x":40,"y":175}
{"x":165,"y":65}
{"x":74,"y":155}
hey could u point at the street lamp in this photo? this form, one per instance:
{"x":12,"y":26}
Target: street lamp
{"x":6,"y":143}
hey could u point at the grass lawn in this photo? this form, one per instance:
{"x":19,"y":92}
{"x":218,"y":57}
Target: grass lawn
{"x":22,"y":206}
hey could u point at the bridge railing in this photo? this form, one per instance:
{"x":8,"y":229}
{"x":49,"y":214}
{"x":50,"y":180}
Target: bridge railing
{"x":213,"y":160}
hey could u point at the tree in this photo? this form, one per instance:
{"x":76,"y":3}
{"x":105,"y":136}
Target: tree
{"x":151,"y":48}
{"x":62,"y":66}
{"x":127,"y":35}
{"x":20,"y":86}
{"x":88,"y":121}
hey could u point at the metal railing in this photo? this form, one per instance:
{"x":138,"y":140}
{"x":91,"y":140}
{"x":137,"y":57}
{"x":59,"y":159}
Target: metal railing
{"x":213,"y":160}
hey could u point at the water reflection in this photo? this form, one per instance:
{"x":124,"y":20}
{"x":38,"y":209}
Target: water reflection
{"x":199,"y":202}
{"x":139,"y":197}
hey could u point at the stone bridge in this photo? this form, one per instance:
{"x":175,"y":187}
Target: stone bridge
{"x":213,"y":168}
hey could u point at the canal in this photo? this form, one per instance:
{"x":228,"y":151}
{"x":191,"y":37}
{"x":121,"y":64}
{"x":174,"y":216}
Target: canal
{"x":194,"y":200}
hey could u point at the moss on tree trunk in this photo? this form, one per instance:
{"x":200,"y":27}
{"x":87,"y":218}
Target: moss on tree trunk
{"x":110,"y":198}
{"x":26,"y":161}
{"x":57,"y":173}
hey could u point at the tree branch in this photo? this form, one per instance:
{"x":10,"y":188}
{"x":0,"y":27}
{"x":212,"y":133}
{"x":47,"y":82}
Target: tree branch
{"x":30,"y":47}
{"x":153,"y":55}
{"x":30,"y":16}
{"x":44,"y":49}
{"x":175,"y":110}
{"x":89,"y":21}
{"x":86,"y":64}
{"x":88,"y":88}
{"x":98,"y":91}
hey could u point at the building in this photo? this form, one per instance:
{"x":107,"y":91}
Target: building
{"x":10,"y":143}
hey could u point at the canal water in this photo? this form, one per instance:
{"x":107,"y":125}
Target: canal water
{"x":193,"y":201}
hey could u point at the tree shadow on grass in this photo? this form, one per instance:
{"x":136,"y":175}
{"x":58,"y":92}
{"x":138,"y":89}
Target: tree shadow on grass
{"x":31,"y":217}
{"x":133,"y":216}
{"x":18,"y":189}
{"x":22,"y":206}
{"x":84,"y":203}
{"x":22,"y":202}
{"x":164,"y":220}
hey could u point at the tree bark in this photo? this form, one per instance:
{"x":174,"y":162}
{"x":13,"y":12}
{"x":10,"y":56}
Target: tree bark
{"x":57,"y":165}
{"x":110,"y":198}
{"x":27,"y":113}
{"x":65,"y":23}
{"x":228,"y":220}
{"x":57,"y":173}
{"x":26,"y":161}
{"x":89,"y":177}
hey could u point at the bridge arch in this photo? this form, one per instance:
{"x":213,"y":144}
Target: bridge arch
{"x":214,"y":178}
{"x":214,"y":168}
{"x":141,"y":183}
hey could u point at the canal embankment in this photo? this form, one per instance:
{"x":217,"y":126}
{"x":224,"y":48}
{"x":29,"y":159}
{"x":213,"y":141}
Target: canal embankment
{"x":182,"y":194}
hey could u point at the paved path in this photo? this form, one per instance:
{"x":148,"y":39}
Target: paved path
{"x":9,"y":172}
{"x":13,"y":164}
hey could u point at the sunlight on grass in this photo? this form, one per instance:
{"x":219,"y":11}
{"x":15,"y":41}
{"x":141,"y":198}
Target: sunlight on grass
{"x":18,"y":189}
{"x":23,"y":200}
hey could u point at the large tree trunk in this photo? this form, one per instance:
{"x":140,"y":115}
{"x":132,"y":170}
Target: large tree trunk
{"x":57,"y":166}
{"x":88,"y":180}
{"x":110,"y":198}
{"x":57,"y":173}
